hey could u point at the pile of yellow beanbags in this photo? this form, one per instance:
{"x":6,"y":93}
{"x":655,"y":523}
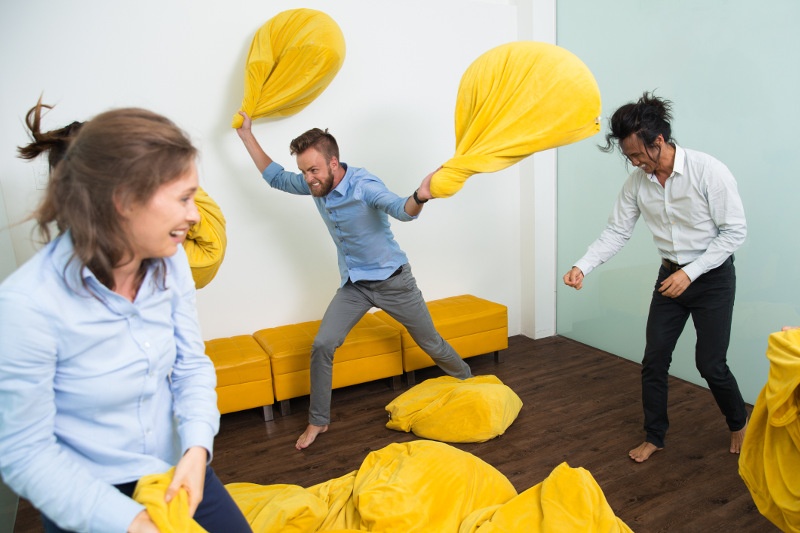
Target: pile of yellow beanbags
{"x":418,"y":486}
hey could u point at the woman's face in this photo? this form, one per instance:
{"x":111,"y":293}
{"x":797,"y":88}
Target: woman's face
{"x":156,"y":228}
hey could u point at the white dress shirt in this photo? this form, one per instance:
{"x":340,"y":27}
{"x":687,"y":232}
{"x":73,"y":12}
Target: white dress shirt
{"x":696,"y":218}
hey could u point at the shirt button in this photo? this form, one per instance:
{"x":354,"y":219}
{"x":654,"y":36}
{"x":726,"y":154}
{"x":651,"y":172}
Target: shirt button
{"x":147,"y":345}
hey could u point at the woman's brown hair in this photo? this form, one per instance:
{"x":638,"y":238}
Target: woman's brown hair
{"x":119,"y":157}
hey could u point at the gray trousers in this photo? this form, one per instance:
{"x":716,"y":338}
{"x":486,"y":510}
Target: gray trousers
{"x":402,"y":300}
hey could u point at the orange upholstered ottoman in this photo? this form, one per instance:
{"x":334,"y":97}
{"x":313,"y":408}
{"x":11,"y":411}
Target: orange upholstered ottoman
{"x":244,"y":378}
{"x":370,"y":351}
{"x":472,"y":326}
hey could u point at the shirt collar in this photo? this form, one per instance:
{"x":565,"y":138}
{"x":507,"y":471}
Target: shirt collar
{"x":345,"y":184}
{"x":677,"y":165}
{"x":680,"y":161}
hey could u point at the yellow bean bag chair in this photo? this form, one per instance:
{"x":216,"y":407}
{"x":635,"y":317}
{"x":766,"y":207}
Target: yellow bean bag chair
{"x":769,"y":462}
{"x":453,"y":410}
{"x":569,"y":499}
{"x":278,"y":508}
{"x":424,"y":486}
{"x":292,"y":59}
{"x":206,"y":241}
{"x":514,"y":100}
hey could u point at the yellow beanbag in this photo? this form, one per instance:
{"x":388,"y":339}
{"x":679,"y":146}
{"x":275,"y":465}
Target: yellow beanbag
{"x":278,"y":508}
{"x":770,"y":460}
{"x":206,"y":241}
{"x":292,"y":59}
{"x":453,"y":410}
{"x":338,"y":495}
{"x":569,"y":499}
{"x":514,"y":100}
{"x":424,"y":486}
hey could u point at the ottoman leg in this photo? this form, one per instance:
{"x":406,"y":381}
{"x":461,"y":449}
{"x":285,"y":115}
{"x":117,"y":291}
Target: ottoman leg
{"x":286,"y":410}
{"x":498,"y":357}
{"x":396,"y":382}
{"x":268,"y":414}
{"x":410,"y":379}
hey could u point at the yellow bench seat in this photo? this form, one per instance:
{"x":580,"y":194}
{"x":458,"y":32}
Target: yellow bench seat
{"x":371,"y":351}
{"x":473,"y":326}
{"x":244,"y":376}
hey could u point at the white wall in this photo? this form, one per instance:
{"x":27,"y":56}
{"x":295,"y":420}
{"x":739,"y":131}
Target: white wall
{"x":391,"y":108}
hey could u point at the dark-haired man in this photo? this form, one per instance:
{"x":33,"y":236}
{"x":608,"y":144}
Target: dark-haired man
{"x":355,"y":206}
{"x":690,"y":203}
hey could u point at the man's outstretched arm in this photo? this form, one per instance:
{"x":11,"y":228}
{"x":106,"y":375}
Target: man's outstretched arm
{"x":259,"y":156}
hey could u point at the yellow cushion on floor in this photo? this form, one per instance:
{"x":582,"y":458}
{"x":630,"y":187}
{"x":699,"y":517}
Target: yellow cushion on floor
{"x":278,"y":508}
{"x":569,"y":499}
{"x":451,"y":410}
{"x":424,"y":486}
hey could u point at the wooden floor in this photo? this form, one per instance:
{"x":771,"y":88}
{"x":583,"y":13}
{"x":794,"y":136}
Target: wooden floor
{"x":581,"y":405}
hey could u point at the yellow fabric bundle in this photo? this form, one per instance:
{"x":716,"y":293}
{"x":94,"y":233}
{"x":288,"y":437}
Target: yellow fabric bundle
{"x":451,"y":410}
{"x":424,"y":486}
{"x":172,"y":517}
{"x":514,"y":100}
{"x":569,"y":499}
{"x":206,"y":241}
{"x":292,"y":59}
{"x":278,"y":508}
{"x":338,"y":495}
{"x":770,"y":459}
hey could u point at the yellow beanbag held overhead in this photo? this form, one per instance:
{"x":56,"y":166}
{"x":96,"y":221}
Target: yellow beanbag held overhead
{"x":514,"y":100}
{"x":206,"y":241}
{"x":292,"y":59}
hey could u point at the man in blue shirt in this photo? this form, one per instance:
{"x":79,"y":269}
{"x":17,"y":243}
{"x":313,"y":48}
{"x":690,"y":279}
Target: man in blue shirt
{"x":355,"y":206}
{"x":691,"y":205}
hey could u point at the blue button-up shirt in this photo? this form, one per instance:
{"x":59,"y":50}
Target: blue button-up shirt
{"x":356,"y":213}
{"x":96,"y":390}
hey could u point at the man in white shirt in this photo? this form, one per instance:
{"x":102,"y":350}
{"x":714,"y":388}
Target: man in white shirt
{"x":690,"y":203}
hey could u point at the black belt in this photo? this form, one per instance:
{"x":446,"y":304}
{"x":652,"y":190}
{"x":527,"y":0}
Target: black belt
{"x":669,"y":265}
{"x":396,"y":272}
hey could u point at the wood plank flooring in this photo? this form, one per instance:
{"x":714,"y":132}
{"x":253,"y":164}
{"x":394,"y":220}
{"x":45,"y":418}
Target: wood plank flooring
{"x":581,"y":405}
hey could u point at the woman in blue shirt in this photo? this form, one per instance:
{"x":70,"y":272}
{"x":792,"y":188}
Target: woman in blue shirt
{"x":103,"y":372}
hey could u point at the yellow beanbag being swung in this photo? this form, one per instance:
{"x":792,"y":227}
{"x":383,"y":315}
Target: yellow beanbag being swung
{"x":206,"y":241}
{"x":514,"y":100}
{"x":292,"y":59}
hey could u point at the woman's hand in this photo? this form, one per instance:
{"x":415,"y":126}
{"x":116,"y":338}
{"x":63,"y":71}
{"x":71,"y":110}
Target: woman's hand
{"x":190,"y":475}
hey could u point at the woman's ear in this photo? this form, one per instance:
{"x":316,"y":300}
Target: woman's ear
{"x":122,"y":205}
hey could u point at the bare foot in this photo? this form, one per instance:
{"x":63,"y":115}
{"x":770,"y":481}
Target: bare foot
{"x":309,"y":435}
{"x":643,"y":452}
{"x":737,"y":438}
